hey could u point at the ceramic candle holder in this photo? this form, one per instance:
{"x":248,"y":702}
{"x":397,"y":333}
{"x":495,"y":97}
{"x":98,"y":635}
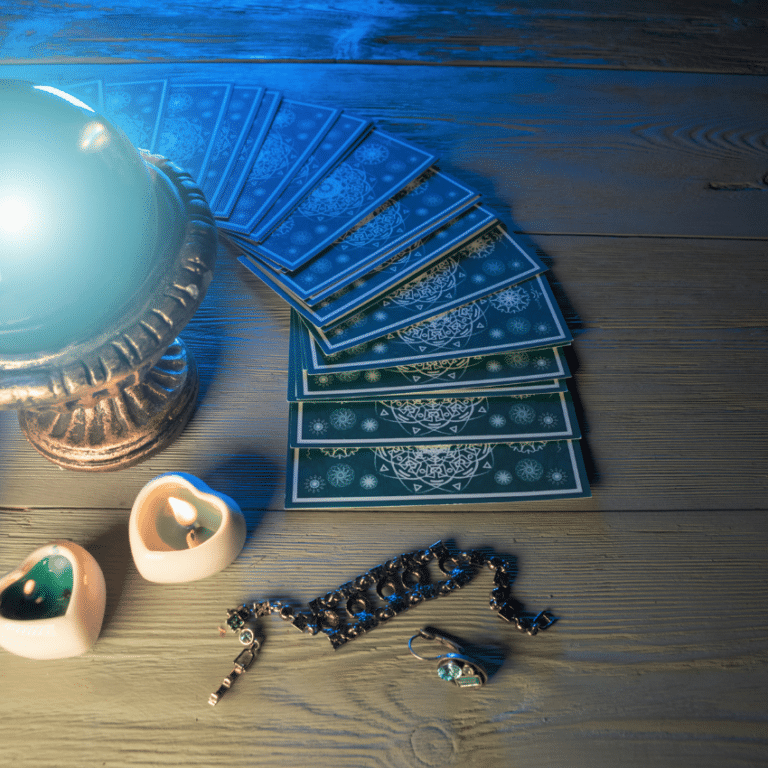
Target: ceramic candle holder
{"x":52,"y":605}
{"x":182,"y":530}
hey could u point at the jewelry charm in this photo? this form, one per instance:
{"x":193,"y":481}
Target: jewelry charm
{"x":455,"y":667}
{"x":383,"y":592}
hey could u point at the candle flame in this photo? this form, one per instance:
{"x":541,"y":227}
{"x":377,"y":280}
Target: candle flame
{"x":184,"y":512}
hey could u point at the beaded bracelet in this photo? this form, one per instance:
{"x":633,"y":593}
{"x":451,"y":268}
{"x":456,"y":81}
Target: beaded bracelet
{"x":401,"y":583}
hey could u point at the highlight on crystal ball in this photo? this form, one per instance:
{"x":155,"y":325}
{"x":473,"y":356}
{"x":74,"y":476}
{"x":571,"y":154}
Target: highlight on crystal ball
{"x":80,"y":220}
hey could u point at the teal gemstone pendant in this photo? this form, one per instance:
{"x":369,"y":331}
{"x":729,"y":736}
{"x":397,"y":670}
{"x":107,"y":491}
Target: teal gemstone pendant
{"x":449,"y":671}
{"x":461,"y":670}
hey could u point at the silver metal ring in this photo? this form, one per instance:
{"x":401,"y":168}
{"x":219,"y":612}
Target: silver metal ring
{"x":422,"y":658}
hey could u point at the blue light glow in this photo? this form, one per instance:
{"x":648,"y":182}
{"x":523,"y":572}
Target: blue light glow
{"x":15,"y":215}
{"x":78,"y":220}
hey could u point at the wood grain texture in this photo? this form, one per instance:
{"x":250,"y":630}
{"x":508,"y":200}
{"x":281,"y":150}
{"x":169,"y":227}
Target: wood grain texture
{"x":710,"y":36}
{"x":669,"y":361}
{"x":670,"y":333}
{"x":659,"y":656}
{"x":567,"y":151}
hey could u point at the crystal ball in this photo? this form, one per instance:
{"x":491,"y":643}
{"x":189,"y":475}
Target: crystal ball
{"x":80,"y":221}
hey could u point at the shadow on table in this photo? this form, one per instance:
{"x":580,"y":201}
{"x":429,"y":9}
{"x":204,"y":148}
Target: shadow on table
{"x":593,"y":475}
{"x":251,"y":480}
{"x":113,"y":554}
{"x":576,"y":325}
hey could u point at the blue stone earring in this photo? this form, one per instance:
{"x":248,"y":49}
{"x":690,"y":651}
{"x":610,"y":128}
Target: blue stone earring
{"x":455,"y":667}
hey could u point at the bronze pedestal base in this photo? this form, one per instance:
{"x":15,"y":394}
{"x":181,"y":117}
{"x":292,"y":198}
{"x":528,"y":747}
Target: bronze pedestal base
{"x":107,"y":402}
{"x":125,"y":426}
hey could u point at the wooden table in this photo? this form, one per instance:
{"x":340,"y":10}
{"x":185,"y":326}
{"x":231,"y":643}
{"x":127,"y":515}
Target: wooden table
{"x":630,"y":149}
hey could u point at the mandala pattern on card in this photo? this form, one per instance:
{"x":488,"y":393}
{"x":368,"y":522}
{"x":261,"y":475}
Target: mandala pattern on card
{"x":396,"y":263}
{"x":445,"y":468}
{"x":453,"y":329}
{"x":548,"y":420}
{"x":180,"y":102}
{"x":339,"y":453}
{"x":483,"y":245}
{"x":317,"y":427}
{"x":518,"y":325}
{"x":432,"y":417}
{"x":371,"y":154}
{"x":522,"y":413}
{"x":343,"y":191}
{"x":514,"y":299}
{"x":438,"y":282}
{"x":135,"y":128}
{"x":314,"y":484}
{"x":557,"y":476}
{"x":435,"y":370}
{"x":117,"y":101}
{"x":529,"y":470}
{"x":529,"y":446}
{"x":340,"y":475}
{"x":225,"y":142}
{"x":378,"y":226}
{"x":342,"y":419}
{"x":273,"y":157}
{"x":284,"y":117}
{"x":181,"y":139}
{"x":369,"y":482}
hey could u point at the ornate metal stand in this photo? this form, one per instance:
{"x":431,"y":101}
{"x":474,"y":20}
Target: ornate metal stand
{"x":114,"y":400}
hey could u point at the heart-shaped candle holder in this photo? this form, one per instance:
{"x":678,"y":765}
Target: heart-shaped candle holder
{"x":52,"y":605}
{"x":182,"y":530}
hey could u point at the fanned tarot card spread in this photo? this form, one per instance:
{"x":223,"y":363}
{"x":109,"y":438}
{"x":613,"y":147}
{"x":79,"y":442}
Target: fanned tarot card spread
{"x":297,"y":129}
{"x":426,"y":358}
{"x":229,"y":140}
{"x":304,"y":388}
{"x":390,"y":230}
{"x":345,"y":134}
{"x":191,"y":116}
{"x":402,"y":263}
{"x":137,"y":107}
{"x":484,"y":266}
{"x":395,"y":225}
{"x":432,"y":421}
{"x":467,"y":473}
{"x":379,"y":168}
{"x":395,"y":270}
{"x":232,"y":184}
{"x":519,"y":371}
{"x":523,"y":316}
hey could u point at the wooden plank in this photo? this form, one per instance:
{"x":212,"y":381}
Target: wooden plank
{"x":566,"y":151}
{"x":708,"y":36}
{"x":669,"y":361}
{"x":658,"y":657}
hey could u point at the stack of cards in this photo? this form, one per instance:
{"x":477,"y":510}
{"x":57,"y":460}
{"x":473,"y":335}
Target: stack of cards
{"x":426,"y":362}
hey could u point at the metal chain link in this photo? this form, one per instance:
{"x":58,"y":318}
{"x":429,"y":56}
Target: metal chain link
{"x":401,"y":583}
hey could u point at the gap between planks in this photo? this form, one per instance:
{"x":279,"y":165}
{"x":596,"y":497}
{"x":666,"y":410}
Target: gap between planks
{"x":645,"y":236}
{"x":461,"y":64}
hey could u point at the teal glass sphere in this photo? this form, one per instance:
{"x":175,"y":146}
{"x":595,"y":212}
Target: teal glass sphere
{"x":80,"y":221}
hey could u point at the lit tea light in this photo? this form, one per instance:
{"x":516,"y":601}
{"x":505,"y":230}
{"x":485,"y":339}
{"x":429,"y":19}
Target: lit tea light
{"x":186,"y":515}
{"x":182,"y":530}
{"x":52,"y":605}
